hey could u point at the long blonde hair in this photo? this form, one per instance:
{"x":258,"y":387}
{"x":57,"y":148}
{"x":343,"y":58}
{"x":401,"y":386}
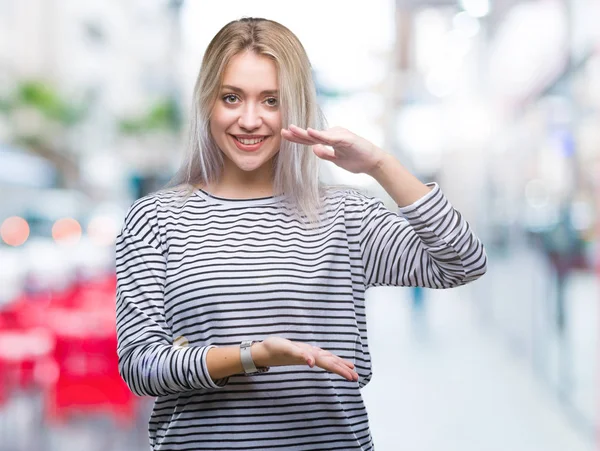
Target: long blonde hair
{"x":296,"y":167}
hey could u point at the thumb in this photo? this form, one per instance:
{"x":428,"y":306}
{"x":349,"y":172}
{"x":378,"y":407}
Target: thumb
{"x":304,"y":355}
{"x":309,"y":359}
{"x":325,"y":153}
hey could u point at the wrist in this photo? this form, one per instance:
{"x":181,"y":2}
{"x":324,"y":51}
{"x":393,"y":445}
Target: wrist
{"x":382,"y":160}
{"x":259,"y":355}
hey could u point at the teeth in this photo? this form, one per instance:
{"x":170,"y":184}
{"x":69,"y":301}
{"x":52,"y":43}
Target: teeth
{"x":250,"y":141}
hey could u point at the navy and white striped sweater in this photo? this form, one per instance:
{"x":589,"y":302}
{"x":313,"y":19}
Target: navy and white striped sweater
{"x":219,"y":271}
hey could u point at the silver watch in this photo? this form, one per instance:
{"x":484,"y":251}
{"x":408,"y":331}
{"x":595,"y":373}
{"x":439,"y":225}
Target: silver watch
{"x":246,"y":358}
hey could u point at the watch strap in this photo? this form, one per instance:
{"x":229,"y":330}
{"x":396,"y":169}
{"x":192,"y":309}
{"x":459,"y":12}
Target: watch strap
{"x":246,"y":358}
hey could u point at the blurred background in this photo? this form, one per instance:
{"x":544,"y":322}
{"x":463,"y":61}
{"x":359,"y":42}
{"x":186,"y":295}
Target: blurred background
{"x":496,"y":100}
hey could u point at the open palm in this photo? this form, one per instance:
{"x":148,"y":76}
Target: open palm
{"x":338,"y":145}
{"x":280,"y":351}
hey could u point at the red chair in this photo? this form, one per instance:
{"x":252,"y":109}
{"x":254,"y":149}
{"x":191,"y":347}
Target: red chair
{"x":65,"y":343}
{"x":4,"y":383}
{"x":88,"y":378}
{"x":21,"y":351}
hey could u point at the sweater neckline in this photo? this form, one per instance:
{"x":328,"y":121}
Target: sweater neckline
{"x":238,"y":202}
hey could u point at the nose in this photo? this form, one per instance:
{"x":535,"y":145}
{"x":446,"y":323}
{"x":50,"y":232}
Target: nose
{"x":250,"y":118}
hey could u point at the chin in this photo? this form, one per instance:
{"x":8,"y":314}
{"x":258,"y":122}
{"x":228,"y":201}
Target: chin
{"x":251,"y":167}
{"x":252,"y":162}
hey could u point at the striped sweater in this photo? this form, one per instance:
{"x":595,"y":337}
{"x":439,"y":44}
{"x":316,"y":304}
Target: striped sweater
{"x":217,"y":271}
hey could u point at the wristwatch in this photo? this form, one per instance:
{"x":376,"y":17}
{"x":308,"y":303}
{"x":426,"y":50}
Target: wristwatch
{"x":246,"y":358}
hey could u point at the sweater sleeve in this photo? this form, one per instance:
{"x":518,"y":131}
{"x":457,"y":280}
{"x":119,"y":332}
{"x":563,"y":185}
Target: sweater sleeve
{"x":148,"y":361}
{"x":428,"y":244}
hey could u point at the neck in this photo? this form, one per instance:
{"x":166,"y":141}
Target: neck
{"x":238,"y":184}
{"x":238,"y":191}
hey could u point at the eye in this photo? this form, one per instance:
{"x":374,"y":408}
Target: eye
{"x":272,"y":101}
{"x":230,"y":98}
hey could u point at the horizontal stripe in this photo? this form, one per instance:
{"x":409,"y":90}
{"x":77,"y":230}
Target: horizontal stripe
{"x":218,"y":272}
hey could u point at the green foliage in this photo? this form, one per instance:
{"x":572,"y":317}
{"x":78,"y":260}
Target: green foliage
{"x":44,"y":98}
{"x":164,"y":115}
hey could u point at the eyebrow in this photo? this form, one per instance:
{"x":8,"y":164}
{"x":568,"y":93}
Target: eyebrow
{"x":241,"y":91}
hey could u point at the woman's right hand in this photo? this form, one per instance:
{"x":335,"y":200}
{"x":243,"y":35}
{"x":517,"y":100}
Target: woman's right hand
{"x":277,"y":351}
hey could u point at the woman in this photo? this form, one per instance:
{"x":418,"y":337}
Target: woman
{"x":241,"y":291}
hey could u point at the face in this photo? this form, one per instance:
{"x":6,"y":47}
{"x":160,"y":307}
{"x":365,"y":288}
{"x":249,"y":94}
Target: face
{"x":246,"y":119}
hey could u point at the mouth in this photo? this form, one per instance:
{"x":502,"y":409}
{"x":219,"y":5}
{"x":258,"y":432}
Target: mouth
{"x":249,"y":144}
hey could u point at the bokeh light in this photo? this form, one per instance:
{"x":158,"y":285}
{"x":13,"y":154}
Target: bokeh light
{"x":102,"y":230}
{"x":66,"y":231}
{"x":498,"y":102}
{"x":14,"y":231}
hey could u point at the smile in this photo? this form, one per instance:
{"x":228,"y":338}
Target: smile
{"x":250,"y":141}
{"x":249,"y":144}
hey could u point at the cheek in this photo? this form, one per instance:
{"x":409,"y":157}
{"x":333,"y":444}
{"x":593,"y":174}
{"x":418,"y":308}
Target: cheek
{"x":216,"y":132}
{"x":213,"y":126}
{"x":275,"y":121}
{"x":222,"y":119}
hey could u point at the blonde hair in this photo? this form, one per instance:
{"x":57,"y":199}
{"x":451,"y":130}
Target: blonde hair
{"x":295,"y":165}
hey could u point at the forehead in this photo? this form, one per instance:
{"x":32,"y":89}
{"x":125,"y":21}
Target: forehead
{"x":250,"y":71}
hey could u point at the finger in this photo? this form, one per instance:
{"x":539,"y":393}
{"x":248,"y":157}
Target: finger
{"x":309,"y":359}
{"x":344,"y":363}
{"x":349,"y":364}
{"x":289,"y":136}
{"x":347,"y":374}
{"x":303,"y":134}
{"x":323,"y":353}
{"x":298,"y":130}
{"x":325,"y":153}
{"x":323,"y":136}
{"x":305,"y":356}
{"x":325,"y":357}
{"x":343,"y":371}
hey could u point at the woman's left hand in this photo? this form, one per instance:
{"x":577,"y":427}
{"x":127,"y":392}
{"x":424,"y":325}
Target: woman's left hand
{"x":347,"y":150}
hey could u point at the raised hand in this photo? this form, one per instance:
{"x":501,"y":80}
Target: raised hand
{"x":346,"y":149}
{"x":276,"y":351}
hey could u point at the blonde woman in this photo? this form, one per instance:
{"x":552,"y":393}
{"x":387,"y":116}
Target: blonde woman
{"x":241,"y":290}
